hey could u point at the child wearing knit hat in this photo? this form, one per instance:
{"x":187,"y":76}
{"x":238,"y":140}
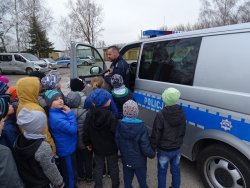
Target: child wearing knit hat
{"x":4,"y":79}
{"x":9,"y":175}
{"x":50,"y":82}
{"x":99,"y":136}
{"x":63,"y":127}
{"x":34,"y":156}
{"x":120,"y":92}
{"x":133,"y":141}
{"x":84,"y":157}
{"x":167,"y":136}
{"x":10,"y":130}
{"x":78,"y":85}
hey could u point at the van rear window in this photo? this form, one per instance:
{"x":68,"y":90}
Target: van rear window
{"x":5,"y":57}
{"x":170,"y":61}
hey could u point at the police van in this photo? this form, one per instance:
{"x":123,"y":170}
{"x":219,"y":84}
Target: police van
{"x":210,"y":67}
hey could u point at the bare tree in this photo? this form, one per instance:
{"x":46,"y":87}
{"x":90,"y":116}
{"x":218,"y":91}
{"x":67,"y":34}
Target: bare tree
{"x":86,"y":18}
{"x":66,"y":32}
{"x":5,"y":24}
{"x":223,"y":12}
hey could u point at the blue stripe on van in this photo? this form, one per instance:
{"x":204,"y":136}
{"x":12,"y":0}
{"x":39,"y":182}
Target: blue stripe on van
{"x":201,"y":118}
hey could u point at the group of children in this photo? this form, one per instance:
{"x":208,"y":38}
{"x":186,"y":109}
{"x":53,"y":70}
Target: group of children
{"x":61,"y":134}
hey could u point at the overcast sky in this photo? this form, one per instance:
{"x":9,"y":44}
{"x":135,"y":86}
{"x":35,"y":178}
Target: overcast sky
{"x":123,"y":20}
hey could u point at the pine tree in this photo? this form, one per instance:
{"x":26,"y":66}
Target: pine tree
{"x":39,"y":43}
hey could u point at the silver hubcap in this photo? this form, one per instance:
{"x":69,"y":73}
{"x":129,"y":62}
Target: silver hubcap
{"x":221,"y":173}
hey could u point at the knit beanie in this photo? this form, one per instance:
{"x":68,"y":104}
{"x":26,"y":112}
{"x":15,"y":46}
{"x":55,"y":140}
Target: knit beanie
{"x":37,"y":74}
{"x":170,"y":96}
{"x":4,"y":106}
{"x":74,"y":99}
{"x":77,"y":84}
{"x":4,"y":79}
{"x":116,"y":80}
{"x":50,"y":96}
{"x":100,"y":97}
{"x":12,"y":92}
{"x":32,"y":122}
{"x":130,"y":109}
{"x":50,"y":82}
{"x":3,"y":87}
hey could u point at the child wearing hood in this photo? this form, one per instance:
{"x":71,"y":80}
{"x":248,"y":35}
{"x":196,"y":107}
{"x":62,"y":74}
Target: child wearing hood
{"x":63,"y":127}
{"x":167,"y":137}
{"x":98,"y":83}
{"x":35,"y":160}
{"x":27,"y":90}
{"x":133,"y":142}
{"x":99,"y":135}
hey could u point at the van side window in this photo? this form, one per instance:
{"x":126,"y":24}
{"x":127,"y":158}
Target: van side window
{"x":170,"y":61}
{"x":5,"y":57}
{"x":19,"y":58}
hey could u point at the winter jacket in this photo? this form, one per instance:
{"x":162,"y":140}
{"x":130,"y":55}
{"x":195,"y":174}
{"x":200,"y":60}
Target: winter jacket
{"x":133,"y":142}
{"x":9,"y":177}
{"x":88,"y":104}
{"x":10,"y":131}
{"x":80,"y":115}
{"x":169,"y":128}
{"x":63,"y":128}
{"x":27,"y":91}
{"x":36,"y":163}
{"x":99,"y":131}
{"x":120,"y":99}
{"x":119,"y":66}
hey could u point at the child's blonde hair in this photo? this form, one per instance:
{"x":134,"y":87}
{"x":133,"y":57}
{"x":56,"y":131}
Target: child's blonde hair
{"x":97,"y":82}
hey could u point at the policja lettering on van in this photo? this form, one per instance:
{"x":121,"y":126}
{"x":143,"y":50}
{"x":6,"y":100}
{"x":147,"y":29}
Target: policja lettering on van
{"x":153,"y":103}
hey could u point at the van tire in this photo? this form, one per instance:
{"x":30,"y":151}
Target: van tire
{"x":28,"y":71}
{"x":222,"y":166}
{"x":68,"y":65}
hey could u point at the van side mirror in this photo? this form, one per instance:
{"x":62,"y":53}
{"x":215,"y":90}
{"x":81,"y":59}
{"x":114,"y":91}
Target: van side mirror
{"x":95,"y":70}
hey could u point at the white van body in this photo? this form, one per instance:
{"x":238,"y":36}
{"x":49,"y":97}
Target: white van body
{"x":210,"y":67}
{"x":21,"y":63}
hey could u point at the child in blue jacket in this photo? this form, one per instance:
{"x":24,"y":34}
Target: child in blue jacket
{"x":133,"y":141}
{"x":63,"y":127}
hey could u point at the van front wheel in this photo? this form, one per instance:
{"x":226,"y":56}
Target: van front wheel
{"x":28,"y":71}
{"x":221,"y":166}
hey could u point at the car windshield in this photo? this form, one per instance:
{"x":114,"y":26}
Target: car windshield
{"x":51,"y":60}
{"x":30,"y":57}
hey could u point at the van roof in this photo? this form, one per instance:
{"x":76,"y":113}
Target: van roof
{"x":236,"y":28}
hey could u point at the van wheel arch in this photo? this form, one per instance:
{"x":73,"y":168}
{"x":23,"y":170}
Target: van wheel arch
{"x":210,"y":156}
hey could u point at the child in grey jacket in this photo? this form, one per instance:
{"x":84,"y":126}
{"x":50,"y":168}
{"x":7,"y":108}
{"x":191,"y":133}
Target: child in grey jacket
{"x":84,"y":157}
{"x":34,"y":157}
